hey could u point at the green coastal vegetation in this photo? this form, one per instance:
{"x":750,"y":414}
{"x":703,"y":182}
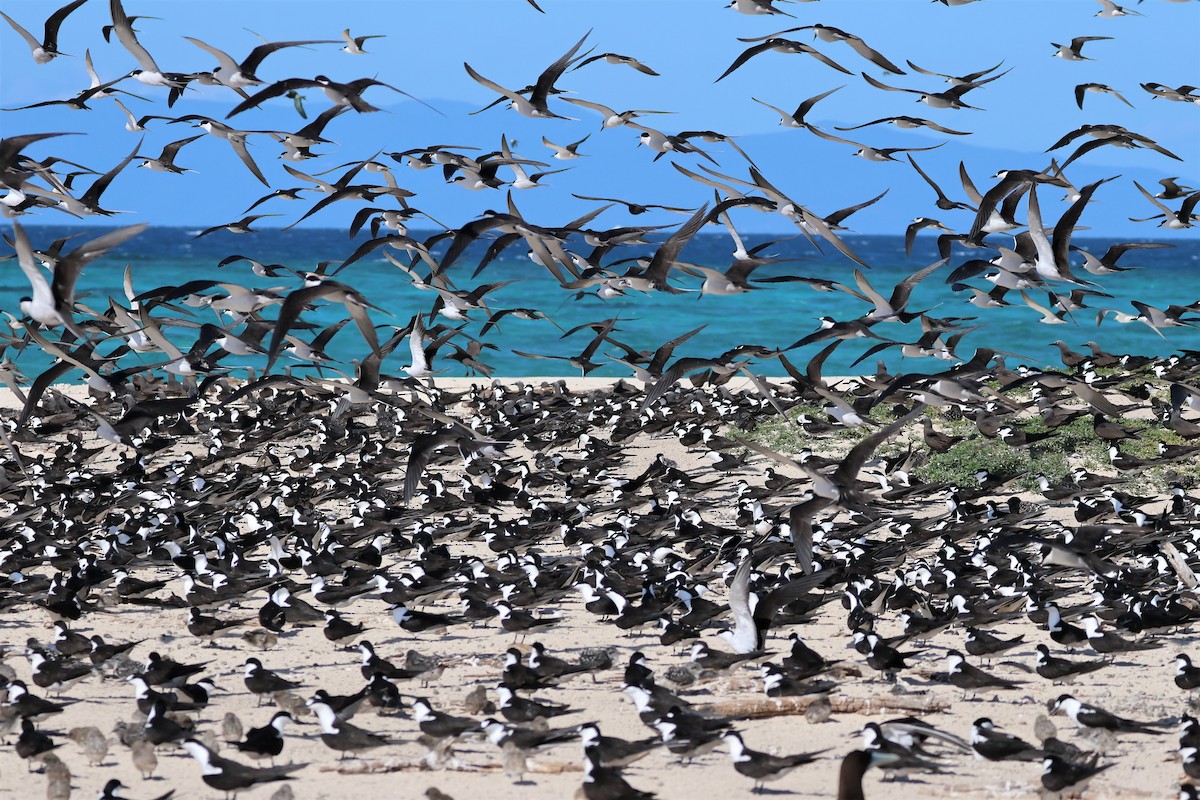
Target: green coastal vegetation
{"x":1054,"y":452}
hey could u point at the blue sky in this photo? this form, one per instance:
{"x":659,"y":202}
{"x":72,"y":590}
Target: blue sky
{"x":690,"y":42}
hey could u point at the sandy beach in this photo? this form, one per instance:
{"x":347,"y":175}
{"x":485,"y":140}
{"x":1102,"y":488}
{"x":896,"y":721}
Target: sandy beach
{"x":1139,"y":685}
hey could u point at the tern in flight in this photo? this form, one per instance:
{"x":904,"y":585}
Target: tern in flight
{"x":46,"y":50}
{"x":535,"y":105}
{"x":53,"y":299}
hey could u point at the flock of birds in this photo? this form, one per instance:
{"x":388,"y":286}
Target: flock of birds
{"x":389,"y":498}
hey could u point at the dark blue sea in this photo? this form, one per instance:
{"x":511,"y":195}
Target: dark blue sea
{"x":776,"y":316}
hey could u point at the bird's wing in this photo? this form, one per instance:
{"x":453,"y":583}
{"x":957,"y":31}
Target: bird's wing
{"x":263,"y":50}
{"x":66,"y":272}
{"x":545,"y":81}
{"x":828,"y":235}
{"x":597,"y":107}
{"x":847,"y":471}
{"x":274,"y":90}
{"x":28,"y":264}
{"x":495,"y":87}
{"x":416,"y":345}
{"x":128,"y":39}
{"x":359,"y":312}
{"x":885,"y":87}
{"x":779,"y":111}
{"x":800,"y":522}
{"x":418,"y":457}
{"x":238,"y":143}
{"x":872,"y":55}
{"x":668,"y":252}
{"x":55,"y":21}
{"x":746,"y":55}
{"x":745,"y":634}
{"x":780,"y":596}
{"x":29,"y":38}
{"x":827,"y":61}
{"x":224,"y":59}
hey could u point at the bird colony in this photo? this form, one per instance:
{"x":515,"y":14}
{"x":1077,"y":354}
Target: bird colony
{"x":222,"y":571}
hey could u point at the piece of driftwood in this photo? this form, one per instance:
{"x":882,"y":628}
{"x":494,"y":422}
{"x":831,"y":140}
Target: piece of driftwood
{"x":379,"y":766}
{"x":761,"y":707}
{"x":1177,"y":562}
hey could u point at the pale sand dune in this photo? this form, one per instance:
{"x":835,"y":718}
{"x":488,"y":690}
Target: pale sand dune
{"x":1140,"y":686}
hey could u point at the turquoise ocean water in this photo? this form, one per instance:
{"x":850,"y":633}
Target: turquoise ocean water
{"x":776,"y":316}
